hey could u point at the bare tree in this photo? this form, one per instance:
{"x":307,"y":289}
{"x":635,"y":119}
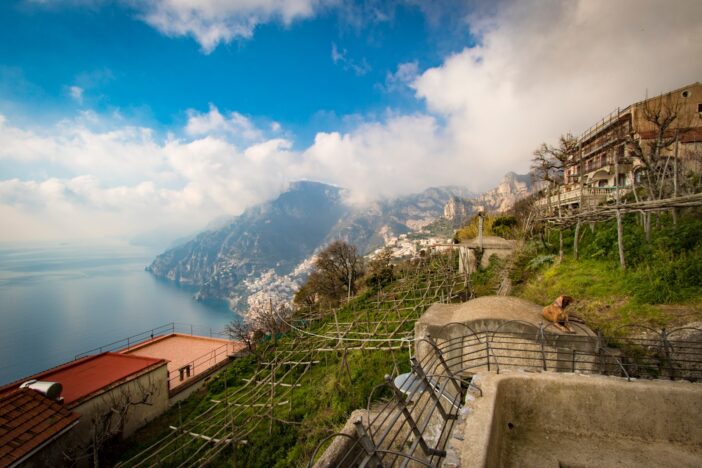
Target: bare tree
{"x":108,"y":419}
{"x":549,"y":162}
{"x":270,"y":318}
{"x":243,"y":331}
{"x":657,"y":153}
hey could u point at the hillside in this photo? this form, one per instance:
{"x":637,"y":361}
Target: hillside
{"x":268,"y":249}
{"x":276,"y":235}
{"x":317,"y":399}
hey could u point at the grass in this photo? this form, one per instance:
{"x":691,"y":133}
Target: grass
{"x":661,"y":287}
{"x":329,"y":392}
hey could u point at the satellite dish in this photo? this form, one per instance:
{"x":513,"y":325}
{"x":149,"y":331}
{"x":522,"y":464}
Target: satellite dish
{"x":408,"y":383}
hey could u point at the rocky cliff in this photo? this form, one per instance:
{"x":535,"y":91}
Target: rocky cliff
{"x":498,"y":200}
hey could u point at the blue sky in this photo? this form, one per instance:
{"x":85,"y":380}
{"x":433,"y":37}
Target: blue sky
{"x":121,"y":118}
{"x":285,"y":73}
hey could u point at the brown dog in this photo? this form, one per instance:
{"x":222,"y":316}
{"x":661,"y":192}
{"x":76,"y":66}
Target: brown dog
{"x":557,"y":314}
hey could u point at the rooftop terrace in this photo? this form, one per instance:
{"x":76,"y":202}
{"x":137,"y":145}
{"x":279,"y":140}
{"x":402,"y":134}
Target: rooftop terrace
{"x":188,"y":356}
{"x":89,"y":375}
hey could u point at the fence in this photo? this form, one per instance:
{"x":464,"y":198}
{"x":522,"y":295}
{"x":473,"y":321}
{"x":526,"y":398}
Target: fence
{"x":414,"y":423}
{"x":166,"y":329}
{"x":206,"y":362}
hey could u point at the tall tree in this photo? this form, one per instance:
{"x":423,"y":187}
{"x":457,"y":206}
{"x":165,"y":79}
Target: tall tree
{"x":656,"y":153}
{"x":337,"y":271}
{"x":549,"y":162}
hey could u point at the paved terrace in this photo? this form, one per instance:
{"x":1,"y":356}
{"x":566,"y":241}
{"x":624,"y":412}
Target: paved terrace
{"x":188,"y":356}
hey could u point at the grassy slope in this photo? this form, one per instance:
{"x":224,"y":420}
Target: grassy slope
{"x":662,"y":286}
{"x":330,"y":391}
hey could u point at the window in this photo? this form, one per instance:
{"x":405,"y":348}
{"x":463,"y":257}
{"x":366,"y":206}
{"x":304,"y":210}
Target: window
{"x":699,"y":107}
{"x":685,"y":93}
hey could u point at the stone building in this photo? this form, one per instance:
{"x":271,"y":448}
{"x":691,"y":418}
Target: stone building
{"x":606,"y":160}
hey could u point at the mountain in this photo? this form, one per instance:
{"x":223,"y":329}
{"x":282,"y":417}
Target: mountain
{"x":502,"y":198}
{"x":370,"y":226}
{"x":276,"y":235}
{"x":268,"y":250}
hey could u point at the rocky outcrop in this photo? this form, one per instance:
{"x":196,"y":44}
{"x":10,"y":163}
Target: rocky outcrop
{"x":456,"y":209}
{"x":502,"y":198}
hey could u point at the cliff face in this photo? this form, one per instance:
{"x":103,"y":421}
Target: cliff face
{"x":456,"y":209}
{"x":502,"y":198}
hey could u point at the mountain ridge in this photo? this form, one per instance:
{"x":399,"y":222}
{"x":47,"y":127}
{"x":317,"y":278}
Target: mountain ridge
{"x":269,"y":247}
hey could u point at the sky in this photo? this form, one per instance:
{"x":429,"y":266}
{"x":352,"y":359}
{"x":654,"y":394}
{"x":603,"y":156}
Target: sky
{"x":122,"y":119}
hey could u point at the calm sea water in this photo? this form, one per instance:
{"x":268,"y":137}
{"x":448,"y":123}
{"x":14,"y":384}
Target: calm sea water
{"x":58,"y":302}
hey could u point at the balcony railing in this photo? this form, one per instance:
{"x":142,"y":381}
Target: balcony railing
{"x":590,"y":196}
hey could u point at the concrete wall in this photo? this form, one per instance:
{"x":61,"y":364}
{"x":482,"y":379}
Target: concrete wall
{"x":462,"y":330}
{"x":154,"y":381}
{"x":518,"y":406}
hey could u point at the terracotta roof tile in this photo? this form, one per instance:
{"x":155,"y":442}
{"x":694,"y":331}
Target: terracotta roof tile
{"x":27,"y":420}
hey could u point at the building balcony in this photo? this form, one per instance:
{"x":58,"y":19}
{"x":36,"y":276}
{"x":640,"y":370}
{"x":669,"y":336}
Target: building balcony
{"x":590,"y":197}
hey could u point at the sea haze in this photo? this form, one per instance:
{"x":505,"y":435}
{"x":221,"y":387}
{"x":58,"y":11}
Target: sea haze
{"x":56,"y":302}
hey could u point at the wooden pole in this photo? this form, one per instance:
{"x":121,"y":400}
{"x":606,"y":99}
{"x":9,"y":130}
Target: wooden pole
{"x":581,"y":176}
{"x":560,"y":245}
{"x":674,"y":211}
{"x":480,"y":230}
{"x":620,"y":240}
{"x":576,"y":240}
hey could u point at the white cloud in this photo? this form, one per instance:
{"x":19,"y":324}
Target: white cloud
{"x":213,"y":122}
{"x":76,"y":92}
{"x":341,"y":57}
{"x":540,"y":69}
{"x":212,"y":22}
{"x":125,"y":180}
{"x":546,"y":68}
{"x":405,"y":74}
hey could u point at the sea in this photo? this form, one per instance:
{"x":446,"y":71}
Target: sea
{"x":59,"y":301}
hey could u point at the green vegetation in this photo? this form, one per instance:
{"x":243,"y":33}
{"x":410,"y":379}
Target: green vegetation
{"x":662,"y":286}
{"x":442,"y":227}
{"x":341,"y":380}
{"x":493,"y":225}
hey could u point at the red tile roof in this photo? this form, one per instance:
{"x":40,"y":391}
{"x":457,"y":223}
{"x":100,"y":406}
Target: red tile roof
{"x":91,"y":374}
{"x":28,"y":420}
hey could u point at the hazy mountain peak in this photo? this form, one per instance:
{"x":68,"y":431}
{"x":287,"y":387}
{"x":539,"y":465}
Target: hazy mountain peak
{"x":264,"y":246}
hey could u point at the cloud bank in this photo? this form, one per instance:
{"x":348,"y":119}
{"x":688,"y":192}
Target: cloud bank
{"x":539,"y":69}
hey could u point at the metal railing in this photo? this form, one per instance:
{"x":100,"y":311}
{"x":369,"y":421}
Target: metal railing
{"x":415,"y":422}
{"x":166,"y":329}
{"x":207,"y":361}
{"x":605,"y":122}
{"x":589,"y":195}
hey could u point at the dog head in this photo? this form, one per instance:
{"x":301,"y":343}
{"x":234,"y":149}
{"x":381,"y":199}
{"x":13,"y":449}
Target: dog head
{"x":563,"y":301}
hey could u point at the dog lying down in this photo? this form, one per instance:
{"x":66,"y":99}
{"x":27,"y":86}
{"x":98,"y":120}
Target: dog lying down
{"x":557,"y":314}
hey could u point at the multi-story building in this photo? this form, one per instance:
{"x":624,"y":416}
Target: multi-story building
{"x":606,"y":162}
